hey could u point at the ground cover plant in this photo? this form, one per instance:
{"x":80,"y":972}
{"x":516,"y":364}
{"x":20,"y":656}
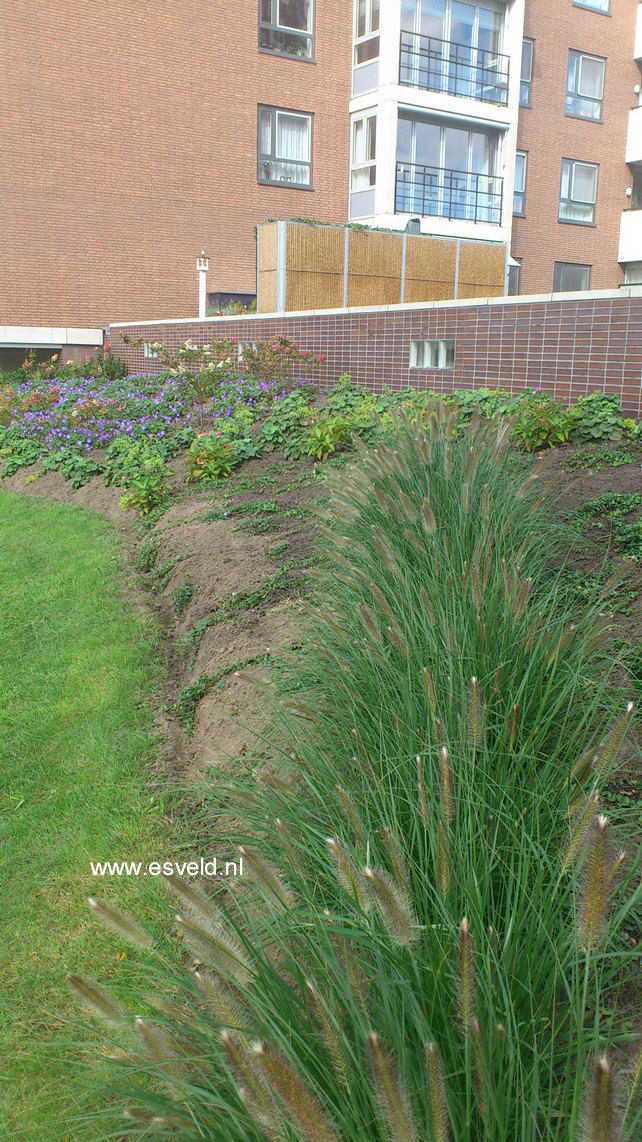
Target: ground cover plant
{"x":224,"y":404}
{"x":429,"y":938}
{"x":77,"y":672}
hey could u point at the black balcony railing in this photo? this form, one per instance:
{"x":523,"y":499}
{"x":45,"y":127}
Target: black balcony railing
{"x":454,"y":69}
{"x":445,"y":193}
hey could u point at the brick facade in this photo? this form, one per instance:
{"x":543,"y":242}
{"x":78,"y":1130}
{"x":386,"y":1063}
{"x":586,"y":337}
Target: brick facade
{"x":129,"y":142}
{"x":548,"y":135}
{"x":567,"y":346}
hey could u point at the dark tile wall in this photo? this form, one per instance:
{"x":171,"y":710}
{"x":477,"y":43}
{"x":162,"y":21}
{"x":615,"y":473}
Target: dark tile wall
{"x":566,"y":347}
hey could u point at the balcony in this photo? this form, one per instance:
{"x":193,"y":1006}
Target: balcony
{"x":630,"y":236}
{"x":441,"y":193}
{"x":453,"y":69}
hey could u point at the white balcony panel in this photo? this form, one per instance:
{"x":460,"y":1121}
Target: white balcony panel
{"x":634,"y":135}
{"x":630,"y":236}
{"x":637,"y":51}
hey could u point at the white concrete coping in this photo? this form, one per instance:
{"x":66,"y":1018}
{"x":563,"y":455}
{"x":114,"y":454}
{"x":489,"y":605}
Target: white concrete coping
{"x":520,"y":299}
{"x":47,"y":337}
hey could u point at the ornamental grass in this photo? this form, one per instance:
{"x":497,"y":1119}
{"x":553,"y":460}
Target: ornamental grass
{"x":428,"y":941}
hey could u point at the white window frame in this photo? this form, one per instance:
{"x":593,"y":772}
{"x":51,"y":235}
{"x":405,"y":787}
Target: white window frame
{"x":527,"y":81}
{"x":514,"y":279}
{"x":359,"y":164}
{"x":148,"y":352}
{"x":519,"y":191}
{"x":371,"y":33}
{"x":432,"y":354}
{"x":276,"y":25}
{"x":575,"y":72}
{"x":572,"y":199}
{"x":633,"y":273}
{"x":275,"y":112}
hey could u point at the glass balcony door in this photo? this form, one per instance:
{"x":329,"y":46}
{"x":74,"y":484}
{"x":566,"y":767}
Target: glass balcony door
{"x":447,"y":172}
{"x":452,"y":46}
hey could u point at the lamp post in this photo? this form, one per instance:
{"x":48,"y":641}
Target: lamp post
{"x":202,"y":266}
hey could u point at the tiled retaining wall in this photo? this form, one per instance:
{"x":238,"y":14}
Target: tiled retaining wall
{"x":567,"y":344}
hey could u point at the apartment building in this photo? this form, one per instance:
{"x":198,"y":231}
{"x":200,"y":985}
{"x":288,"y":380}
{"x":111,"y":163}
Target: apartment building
{"x":511,"y":120}
{"x":136,"y":135}
{"x":133,"y":135}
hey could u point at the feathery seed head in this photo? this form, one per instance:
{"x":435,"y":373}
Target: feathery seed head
{"x":121,"y":923}
{"x":391,"y":1094}
{"x":393,"y":904}
{"x":466,"y":988}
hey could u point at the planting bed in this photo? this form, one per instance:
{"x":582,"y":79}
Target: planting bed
{"x":227,"y":565}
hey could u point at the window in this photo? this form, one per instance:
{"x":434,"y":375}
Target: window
{"x":521,"y":160}
{"x":221,"y":300}
{"x":514,"y":279}
{"x":432,"y":354}
{"x":633,"y":273}
{"x":569,"y":277}
{"x":578,"y":192}
{"x":285,"y":147}
{"x":148,"y":349}
{"x":454,"y":47}
{"x":366,"y":35}
{"x":285,"y":26}
{"x":448,"y":172}
{"x":594,"y":5}
{"x":584,"y":86}
{"x":528,"y":49}
{"x":364,"y":149}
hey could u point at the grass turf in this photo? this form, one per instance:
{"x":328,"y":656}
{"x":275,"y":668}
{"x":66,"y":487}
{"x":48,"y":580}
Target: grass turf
{"x":75,"y":730}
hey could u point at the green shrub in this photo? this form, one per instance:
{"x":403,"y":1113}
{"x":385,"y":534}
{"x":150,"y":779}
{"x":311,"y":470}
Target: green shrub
{"x":327,"y":434}
{"x":288,"y":425}
{"x":210,"y":457}
{"x":597,"y":416}
{"x":426,"y":941}
{"x":541,"y":423}
{"x":73,"y":465}
{"x":139,"y":467}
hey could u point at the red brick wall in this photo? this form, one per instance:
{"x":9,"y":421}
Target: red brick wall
{"x":568,"y":348}
{"x":548,"y":135}
{"x":128,"y":143}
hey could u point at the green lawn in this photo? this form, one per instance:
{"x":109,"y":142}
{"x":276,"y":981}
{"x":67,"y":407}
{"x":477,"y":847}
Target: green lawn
{"x":76,"y":665}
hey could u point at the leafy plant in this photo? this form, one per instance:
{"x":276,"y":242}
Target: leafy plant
{"x":73,"y":465}
{"x":327,"y":434}
{"x":541,"y":423}
{"x":616,"y":506}
{"x":140,"y":467}
{"x":210,"y":457}
{"x":148,"y":554}
{"x":287,"y":426}
{"x":597,"y":416}
{"x":599,"y":458}
{"x":182,"y":596}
